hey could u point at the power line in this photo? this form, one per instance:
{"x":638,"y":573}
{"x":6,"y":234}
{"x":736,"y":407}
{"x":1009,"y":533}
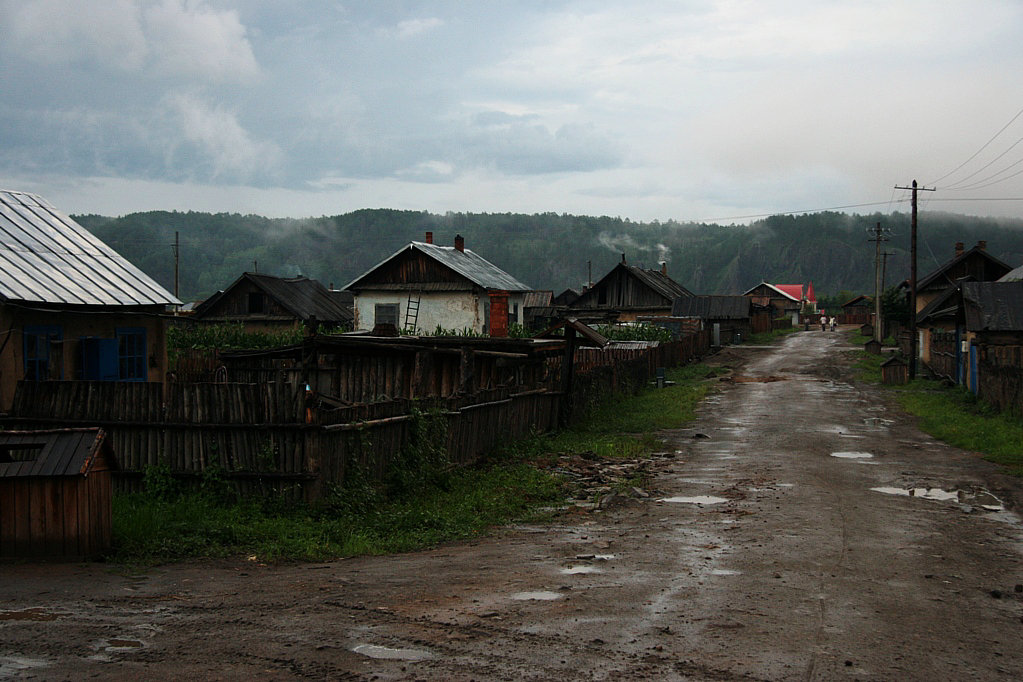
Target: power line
{"x":982,"y":148}
{"x":957,"y":185}
{"x":804,"y":210}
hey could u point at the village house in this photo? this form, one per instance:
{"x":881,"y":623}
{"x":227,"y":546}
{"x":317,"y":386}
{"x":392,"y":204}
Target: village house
{"x":71,"y":307}
{"x":936,"y":292}
{"x":263,"y":302}
{"x":424,"y":286}
{"x":728,"y":318}
{"x":628,"y":292}
{"x":787,"y":300}
{"x":858,"y":310}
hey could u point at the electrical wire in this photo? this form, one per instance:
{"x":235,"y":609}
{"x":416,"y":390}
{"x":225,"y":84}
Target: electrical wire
{"x":982,"y":148}
{"x":804,"y":210}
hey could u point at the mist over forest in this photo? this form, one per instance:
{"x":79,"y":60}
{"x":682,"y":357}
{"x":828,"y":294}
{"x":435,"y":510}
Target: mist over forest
{"x":549,"y":250}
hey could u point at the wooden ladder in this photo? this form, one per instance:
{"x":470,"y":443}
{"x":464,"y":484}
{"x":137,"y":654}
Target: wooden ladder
{"x":412,"y":311}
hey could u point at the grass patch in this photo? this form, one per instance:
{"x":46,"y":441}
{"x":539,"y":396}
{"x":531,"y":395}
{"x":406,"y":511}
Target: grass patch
{"x":148,"y":529}
{"x":955,"y":416}
{"x":765,"y":338}
{"x":624,"y":427}
{"x":422,"y":502}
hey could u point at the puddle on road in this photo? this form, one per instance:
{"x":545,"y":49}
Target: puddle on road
{"x":33,"y":613}
{"x":124,"y":644}
{"x":580,"y":569}
{"x":878,"y":421}
{"x":852,"y":455}
{"x":387,"y":653}
{"x":980,"y":498}
{"x":696,"y":499}
{"x":725,"y":571}
{"x":12,"y":666}
{"x":536,"y":596}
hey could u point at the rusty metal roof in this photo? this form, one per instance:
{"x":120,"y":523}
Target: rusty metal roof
{"x":993,"y":306}
{"x":46,"y":257}
{"x":712,"y":307}
{"x":59,"y":452}
{"x":468,"y":264}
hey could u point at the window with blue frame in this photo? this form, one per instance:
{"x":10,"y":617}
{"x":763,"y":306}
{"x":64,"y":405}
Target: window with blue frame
{"x":40,"y":356}
{"x":131,"y":353}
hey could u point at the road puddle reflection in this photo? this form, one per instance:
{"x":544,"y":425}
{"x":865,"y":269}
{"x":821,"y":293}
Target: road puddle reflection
{"x":852,"y":455}
{"x":980,"y":498}
{"x":577,"y":570}
{"x":536,"y":596}
{"x":696,"y":499}
{"x":387,"y":653}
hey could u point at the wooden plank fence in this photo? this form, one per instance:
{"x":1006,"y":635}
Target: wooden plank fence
{"x":273,"y":437}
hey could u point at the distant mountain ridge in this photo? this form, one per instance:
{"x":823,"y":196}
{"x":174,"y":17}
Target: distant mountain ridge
{"x":549,"y":250}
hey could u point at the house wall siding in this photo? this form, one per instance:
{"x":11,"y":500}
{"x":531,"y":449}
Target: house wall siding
{"x":74,"y":326}
{"x":449,"y":309}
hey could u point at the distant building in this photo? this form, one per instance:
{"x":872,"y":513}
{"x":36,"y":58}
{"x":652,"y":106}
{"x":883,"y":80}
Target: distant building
{"x":787,"y":300}
{"x":73,"y":307}
{"x":423,"y":286}
{"x":629,"y":292}
{"x":263,"y":302}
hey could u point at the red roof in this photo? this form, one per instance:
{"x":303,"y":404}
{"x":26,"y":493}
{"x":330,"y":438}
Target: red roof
{"x":795,"y":291}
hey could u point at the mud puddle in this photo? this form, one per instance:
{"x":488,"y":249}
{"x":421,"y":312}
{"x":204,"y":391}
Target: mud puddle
{"x":387,"y":653}
{"x":696,"y":499}
{"x":852,"y":455}
{"x":980,"y":498}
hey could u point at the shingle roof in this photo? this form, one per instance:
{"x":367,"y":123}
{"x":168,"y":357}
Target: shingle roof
{"x":712,"y":307}
{"x":301,"y":296}
{"x":659,"y":282}
{"x":993,"y":306}
{"x":64,"y":452}
{"x":46,"y":257}
{"x":468,"y":264}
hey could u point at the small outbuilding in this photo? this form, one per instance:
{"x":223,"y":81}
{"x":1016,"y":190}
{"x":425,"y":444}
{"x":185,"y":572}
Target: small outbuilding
{"x":55,"y":493}
{"x":894,"y":370}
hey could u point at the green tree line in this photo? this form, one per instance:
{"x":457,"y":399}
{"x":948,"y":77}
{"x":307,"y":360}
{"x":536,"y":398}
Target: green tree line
{"x":549,"y":250}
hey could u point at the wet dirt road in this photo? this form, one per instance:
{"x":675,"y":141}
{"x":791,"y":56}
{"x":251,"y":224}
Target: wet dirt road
{"x":781,"y":543}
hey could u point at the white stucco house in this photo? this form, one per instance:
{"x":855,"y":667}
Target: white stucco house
{"x":424,"y":286}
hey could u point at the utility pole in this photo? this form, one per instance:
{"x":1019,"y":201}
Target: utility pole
{"x":912,"y":280}
{"x":177,"y":261}
{"x":878,"y":238}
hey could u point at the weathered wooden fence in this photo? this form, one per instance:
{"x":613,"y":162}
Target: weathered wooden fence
{"x":1000,"y":377}
{"x":276,"y":436}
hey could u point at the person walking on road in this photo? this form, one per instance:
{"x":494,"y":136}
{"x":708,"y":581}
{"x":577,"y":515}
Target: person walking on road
{"x":834,"y":323}
{"x":824,"y":322}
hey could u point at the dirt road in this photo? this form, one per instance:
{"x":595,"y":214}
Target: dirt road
{"x":780,"y":543}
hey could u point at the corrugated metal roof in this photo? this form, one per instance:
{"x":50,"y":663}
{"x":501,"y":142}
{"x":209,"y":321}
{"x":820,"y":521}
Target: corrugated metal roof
{"x":468,"y":264}
{"x":712,"y":307}
{"x":993,"y":306}
{"x":1015,"y":275}
{"x":536,"y":299}
{"x":46,"y":257}
{"x":64,"y":452}
{"x":781,"y":289}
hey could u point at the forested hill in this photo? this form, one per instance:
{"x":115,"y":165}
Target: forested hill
{"x":547,"y":250}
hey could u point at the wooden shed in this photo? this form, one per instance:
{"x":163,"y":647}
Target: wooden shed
{"x":55,"y":493}
{"x":894,"y":371}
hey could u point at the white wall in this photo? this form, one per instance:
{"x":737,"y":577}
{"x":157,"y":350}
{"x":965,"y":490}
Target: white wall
{"x":449,"y":309}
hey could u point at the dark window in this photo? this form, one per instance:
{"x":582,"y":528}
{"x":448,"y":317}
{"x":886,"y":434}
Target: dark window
{"x":131,"y":353}
{"x":386,"y":313}
{"x":43,"y":352}
{"x":257,"y":302}
{"x":99,"y":359}
{"x":602,"y":296}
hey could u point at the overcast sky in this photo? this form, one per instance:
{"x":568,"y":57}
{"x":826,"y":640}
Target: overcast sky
{"x":646,"y":109}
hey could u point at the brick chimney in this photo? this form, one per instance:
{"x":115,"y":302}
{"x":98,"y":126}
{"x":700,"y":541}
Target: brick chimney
{"x":959,"y":249}
{"x":429,"y":237}
{"x":664,"y":268}
{"x":460,"y":243}
{"x":982,"y":245}
{"x":623,"y":259}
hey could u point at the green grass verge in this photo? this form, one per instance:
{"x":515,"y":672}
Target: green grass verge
{"x":764,"y":338}
{"x":955,"y":416}
{"x":422,"y":507}
{"x":626,"y":426}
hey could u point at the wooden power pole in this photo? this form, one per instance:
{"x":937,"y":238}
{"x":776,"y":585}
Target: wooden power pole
{"x":878,"y":238}
{"x":912,"y":280}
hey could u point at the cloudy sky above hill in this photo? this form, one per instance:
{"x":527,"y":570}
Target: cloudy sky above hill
{"x":647,"y":109}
